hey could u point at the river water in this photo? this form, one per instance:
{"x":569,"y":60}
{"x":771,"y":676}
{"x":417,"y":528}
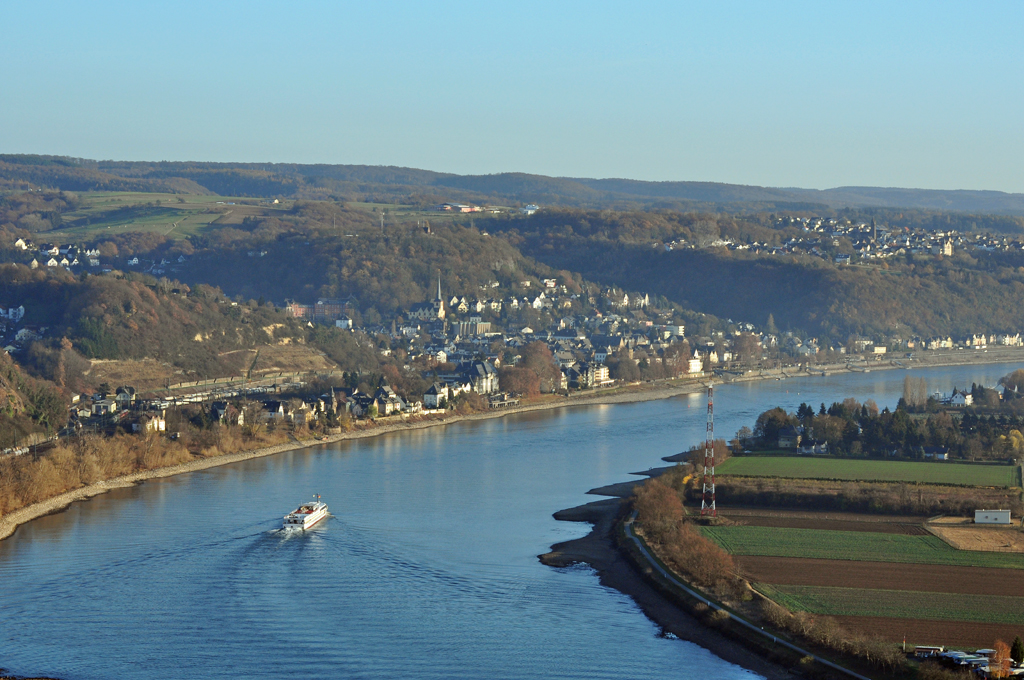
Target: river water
{"x":427,"y":568}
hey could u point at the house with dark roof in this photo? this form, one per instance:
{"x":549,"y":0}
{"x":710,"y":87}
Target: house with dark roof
{"x":436,"y":396}
{"x":789,"y":437}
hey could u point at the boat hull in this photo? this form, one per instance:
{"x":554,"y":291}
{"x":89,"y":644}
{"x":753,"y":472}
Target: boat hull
{"x":301,"y":521}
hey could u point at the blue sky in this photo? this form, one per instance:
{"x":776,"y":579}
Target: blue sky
{"x":779,"y":94}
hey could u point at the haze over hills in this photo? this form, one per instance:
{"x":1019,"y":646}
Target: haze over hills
{"x":386,"y":183}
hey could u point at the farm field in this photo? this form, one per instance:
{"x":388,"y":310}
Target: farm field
{"x":409,"y":213}
{"x":852,"y":545}
{"x":175,"y":215}
{"x":792,"y":571}
{"x":985,"y":538}
{"x":149,"y":374}
{"x":897,"y":604}
{"x":825,"y":521}
{"x":930,"y":632}
{"x":871,"y":470}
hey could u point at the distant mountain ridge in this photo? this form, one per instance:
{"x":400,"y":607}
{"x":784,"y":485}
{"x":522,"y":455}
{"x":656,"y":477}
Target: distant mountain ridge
{"x":389,"y":183}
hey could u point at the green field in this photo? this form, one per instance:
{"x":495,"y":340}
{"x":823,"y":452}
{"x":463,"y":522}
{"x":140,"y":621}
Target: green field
{"x":412,"y":213}
{"x":106,"y":213}
{"x":871,"y":470}
{"x":175,"y":215}
{"x":898,"y":604}
{"x":852,"y":545}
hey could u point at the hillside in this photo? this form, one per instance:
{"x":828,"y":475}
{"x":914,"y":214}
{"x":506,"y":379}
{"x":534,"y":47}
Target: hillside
{"x":925,"y":295}
{"x":29,"y":406}
{"x":395,"y":184}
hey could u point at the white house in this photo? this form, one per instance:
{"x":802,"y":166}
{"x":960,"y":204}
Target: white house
{"x":15,"y":314}
{"x":436,"y":396}
{"x":991,"y":516}
{"x":961,"y":398}
{"x":154,"y":424}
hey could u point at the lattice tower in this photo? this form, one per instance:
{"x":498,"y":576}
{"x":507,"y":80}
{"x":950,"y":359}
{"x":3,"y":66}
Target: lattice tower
{"x":707,"y":504}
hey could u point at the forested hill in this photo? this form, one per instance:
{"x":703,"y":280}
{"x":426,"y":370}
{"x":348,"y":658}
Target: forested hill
{"x":410,"y":185}
{"x":905,"y":295}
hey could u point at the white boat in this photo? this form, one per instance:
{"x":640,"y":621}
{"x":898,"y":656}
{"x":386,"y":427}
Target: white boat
{"x":306,"y":515}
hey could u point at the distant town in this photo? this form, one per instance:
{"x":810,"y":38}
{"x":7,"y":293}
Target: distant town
{"x":460,"y":342}
{"x":845,"y":242}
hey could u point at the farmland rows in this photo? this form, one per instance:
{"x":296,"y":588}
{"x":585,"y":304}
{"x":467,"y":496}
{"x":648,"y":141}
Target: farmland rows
{"x":928,"y":632}
{"x":871,"y":470}
{"x":852,"y":545}
{"x":782,"y":571}
{"x":907,"y":528}
{"x":898,"y":604}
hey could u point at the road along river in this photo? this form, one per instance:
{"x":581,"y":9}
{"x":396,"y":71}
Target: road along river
{"x":427,"y":568}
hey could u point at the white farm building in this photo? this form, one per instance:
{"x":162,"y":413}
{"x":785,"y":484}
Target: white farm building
{"x":991,"y":516}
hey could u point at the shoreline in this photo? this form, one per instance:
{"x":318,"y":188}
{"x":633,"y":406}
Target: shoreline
{"x":634,"y":393}
{"x":598,"y":549}
{"x":10,"y":522}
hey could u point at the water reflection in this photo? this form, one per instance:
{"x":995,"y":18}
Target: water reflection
{"x":426,"y":569}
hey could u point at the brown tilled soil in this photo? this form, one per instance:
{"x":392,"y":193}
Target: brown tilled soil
{"x":736,"y":512}
{"x":795,"y":571}
{"x":986,"y":539}
{"x":910,"y":529}
{"x":291,"y":358}
{"x":141,"y":374}
{"x":924,"y":632}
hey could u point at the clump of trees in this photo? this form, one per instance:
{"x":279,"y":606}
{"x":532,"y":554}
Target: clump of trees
{"x":989,"y":430}
{"x":86,"y":459}
{"x":643,"y":365}
{"x":826,"y":632}
{"x":27,"y":405}
{"x":660,"y":517}
{"x":536,"y":372}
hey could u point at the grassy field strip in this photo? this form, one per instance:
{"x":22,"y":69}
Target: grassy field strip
{"x":853,"y":545}
{"x":871,"y":470}
{"x":898,"y":604}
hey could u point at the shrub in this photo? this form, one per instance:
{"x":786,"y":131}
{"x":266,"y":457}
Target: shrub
{"x":658,"y":509}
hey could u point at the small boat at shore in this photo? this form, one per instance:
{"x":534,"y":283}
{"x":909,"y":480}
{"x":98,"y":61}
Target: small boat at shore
{"x":306,"y":515}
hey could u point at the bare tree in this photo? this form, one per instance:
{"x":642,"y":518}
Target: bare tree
{"x":705,"y":232}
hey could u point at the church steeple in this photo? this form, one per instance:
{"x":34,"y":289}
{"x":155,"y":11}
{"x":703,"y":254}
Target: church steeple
{"x":438,"y":284}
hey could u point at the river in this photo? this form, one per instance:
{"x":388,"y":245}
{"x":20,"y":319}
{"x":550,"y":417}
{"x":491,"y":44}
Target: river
{"x":427,"y":568}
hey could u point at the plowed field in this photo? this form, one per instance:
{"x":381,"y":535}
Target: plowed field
{"x":898,"y":604}
{"x":882,"y":575}
{"x":924,"y":632}
{"x":907,"y":529}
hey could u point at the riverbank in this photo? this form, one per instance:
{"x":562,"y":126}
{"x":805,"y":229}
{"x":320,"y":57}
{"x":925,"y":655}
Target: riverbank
{"x":637,"y":392}
{"x":11,"y":521}
{"x":598,"y":549}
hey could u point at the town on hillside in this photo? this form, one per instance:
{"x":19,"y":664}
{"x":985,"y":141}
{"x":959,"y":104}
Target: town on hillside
{"x":844,"y":242}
